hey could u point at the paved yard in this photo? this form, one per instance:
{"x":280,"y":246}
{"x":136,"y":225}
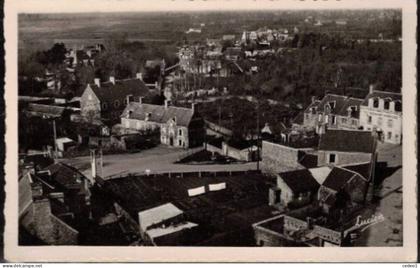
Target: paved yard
{"x":389,"y":232}
{"x":159,"y":159}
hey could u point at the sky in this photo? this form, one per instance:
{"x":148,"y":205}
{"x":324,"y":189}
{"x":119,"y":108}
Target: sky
{"x":75,"y":6}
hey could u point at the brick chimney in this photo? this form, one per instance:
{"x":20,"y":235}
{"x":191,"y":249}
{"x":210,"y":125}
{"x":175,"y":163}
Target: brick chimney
{"x":97,"y":82}
{"x":112,"y":79}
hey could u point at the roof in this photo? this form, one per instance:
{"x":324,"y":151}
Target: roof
{"x":342,"y":103}
{"x":158,"y":113}
{"x":109,"y":91}
{"x":228,"y":37}
{"x":320,"y":174}
{"x":364,"y":169}
{"x":338,"y":177}
{"x":65,"y":175}
{"x":347,"y":141}
{"x":47,"y":110}
{"x":153,"y":63}
{"x":64,"y":140}
{"x":382,"y":95}
{"x":158,"y":214}
{"x":299,"y":181}
{"x":158,"y":232}
{"x":25,"y":193}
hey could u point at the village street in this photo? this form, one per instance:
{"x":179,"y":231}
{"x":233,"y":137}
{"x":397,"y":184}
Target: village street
{"x":158,"y":160}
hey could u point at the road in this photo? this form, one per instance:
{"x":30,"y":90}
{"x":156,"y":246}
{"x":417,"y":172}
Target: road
{"x":158,"y":160}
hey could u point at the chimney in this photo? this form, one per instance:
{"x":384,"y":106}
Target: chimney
{"x":139,"y":76}
{"x":193,"y":107}
{"x":97,"y":82}
{"x":166,"y":104}
{"x":371,"y":88}
{"x":141,"y":100}
{"x":112,"y":79}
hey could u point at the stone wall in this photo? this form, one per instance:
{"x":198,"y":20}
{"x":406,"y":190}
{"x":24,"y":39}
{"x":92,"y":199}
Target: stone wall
{"x":63,"y":233}
{"x":279,"y":158}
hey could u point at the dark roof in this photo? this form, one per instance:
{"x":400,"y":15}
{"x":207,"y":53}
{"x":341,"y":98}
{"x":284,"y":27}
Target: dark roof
{"x":342,"y":103}
{"x":347,"y":141}
{"x":82,"y":55}
{"x":382,"y":95}
{"x":66,"y":176}
{"x":158,"y":113}
{"x":338,"y":177}
{"x":300,"y":181}
{"x":363,"y":169}
{"x":46,"y":110}
{"x":308,"y":160}
{"x":109,"y":92}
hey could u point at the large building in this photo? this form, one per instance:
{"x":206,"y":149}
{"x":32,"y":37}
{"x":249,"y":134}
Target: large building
{"x":179,"y":126}
{"x":382,"y":112}
{"x":108,"y":99}
{"x":333,"y":111}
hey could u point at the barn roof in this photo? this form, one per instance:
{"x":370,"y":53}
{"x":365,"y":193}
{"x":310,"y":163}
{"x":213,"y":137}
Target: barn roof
{"x":347,"y":141}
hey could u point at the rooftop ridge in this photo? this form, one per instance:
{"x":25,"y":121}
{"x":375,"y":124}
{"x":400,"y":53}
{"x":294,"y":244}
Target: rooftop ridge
{"x":387,"y":92}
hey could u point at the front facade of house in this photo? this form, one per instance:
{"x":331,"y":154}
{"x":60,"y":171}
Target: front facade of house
{"x":179,"y":127}
{"x":382,"y":112}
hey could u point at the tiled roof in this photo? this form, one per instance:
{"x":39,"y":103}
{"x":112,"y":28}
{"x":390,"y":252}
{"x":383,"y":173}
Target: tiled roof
{"x":109,"y":92}
{"x":158,"y":113}
{"x":382,"y":95}
{"x":300,"y":181}
{"x":363,"y":169}
{"x":347,"y":141}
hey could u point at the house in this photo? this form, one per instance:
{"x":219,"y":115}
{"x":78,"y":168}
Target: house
{"x":333,"y":111}
{"x":344,"y":185}
{"x":54,"y":204}
{"x":381,"y":112}
{"x":108,"y":99}
{"x":233,"y":53}
{"x":63,"y":144}
{"x":295,"y":188}
{"x":341,"y":147}
{"x":179,"y":126}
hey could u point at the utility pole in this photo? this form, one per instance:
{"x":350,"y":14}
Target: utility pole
{"x":55,"y":141}
{"x":258,"y":134}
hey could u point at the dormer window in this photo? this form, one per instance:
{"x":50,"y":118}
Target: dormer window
{"x":398,"y":106}
{"x":129,"y":112}
{"x":148,"y":116}
{"x":116,"y":103}
{"x":375,"y":103}
{"x":386,"y":103}
{"x":331,"y":104}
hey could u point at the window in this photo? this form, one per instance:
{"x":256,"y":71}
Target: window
{"x":104,"y":105}
{"x":379,"y":121}
{"x":354,"y":122}
{"x":389,"y":135}
{"x":333,"y":120}
{"x":116,"y":103}
{"x":307,"y":116}
{"x":180,"y":142}
{"x":398,"y":107}
{"x":331,"y":158}
{"x":369,"y":119}
{"x":180,"y":132}
{"x":386,"y":104}
{"x":375,"y":103}
{"x":344,"y":120}
{"x":390,"y":122}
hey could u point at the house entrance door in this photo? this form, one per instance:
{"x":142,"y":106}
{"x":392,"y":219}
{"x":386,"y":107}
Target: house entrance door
{"x":171,"y":141}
